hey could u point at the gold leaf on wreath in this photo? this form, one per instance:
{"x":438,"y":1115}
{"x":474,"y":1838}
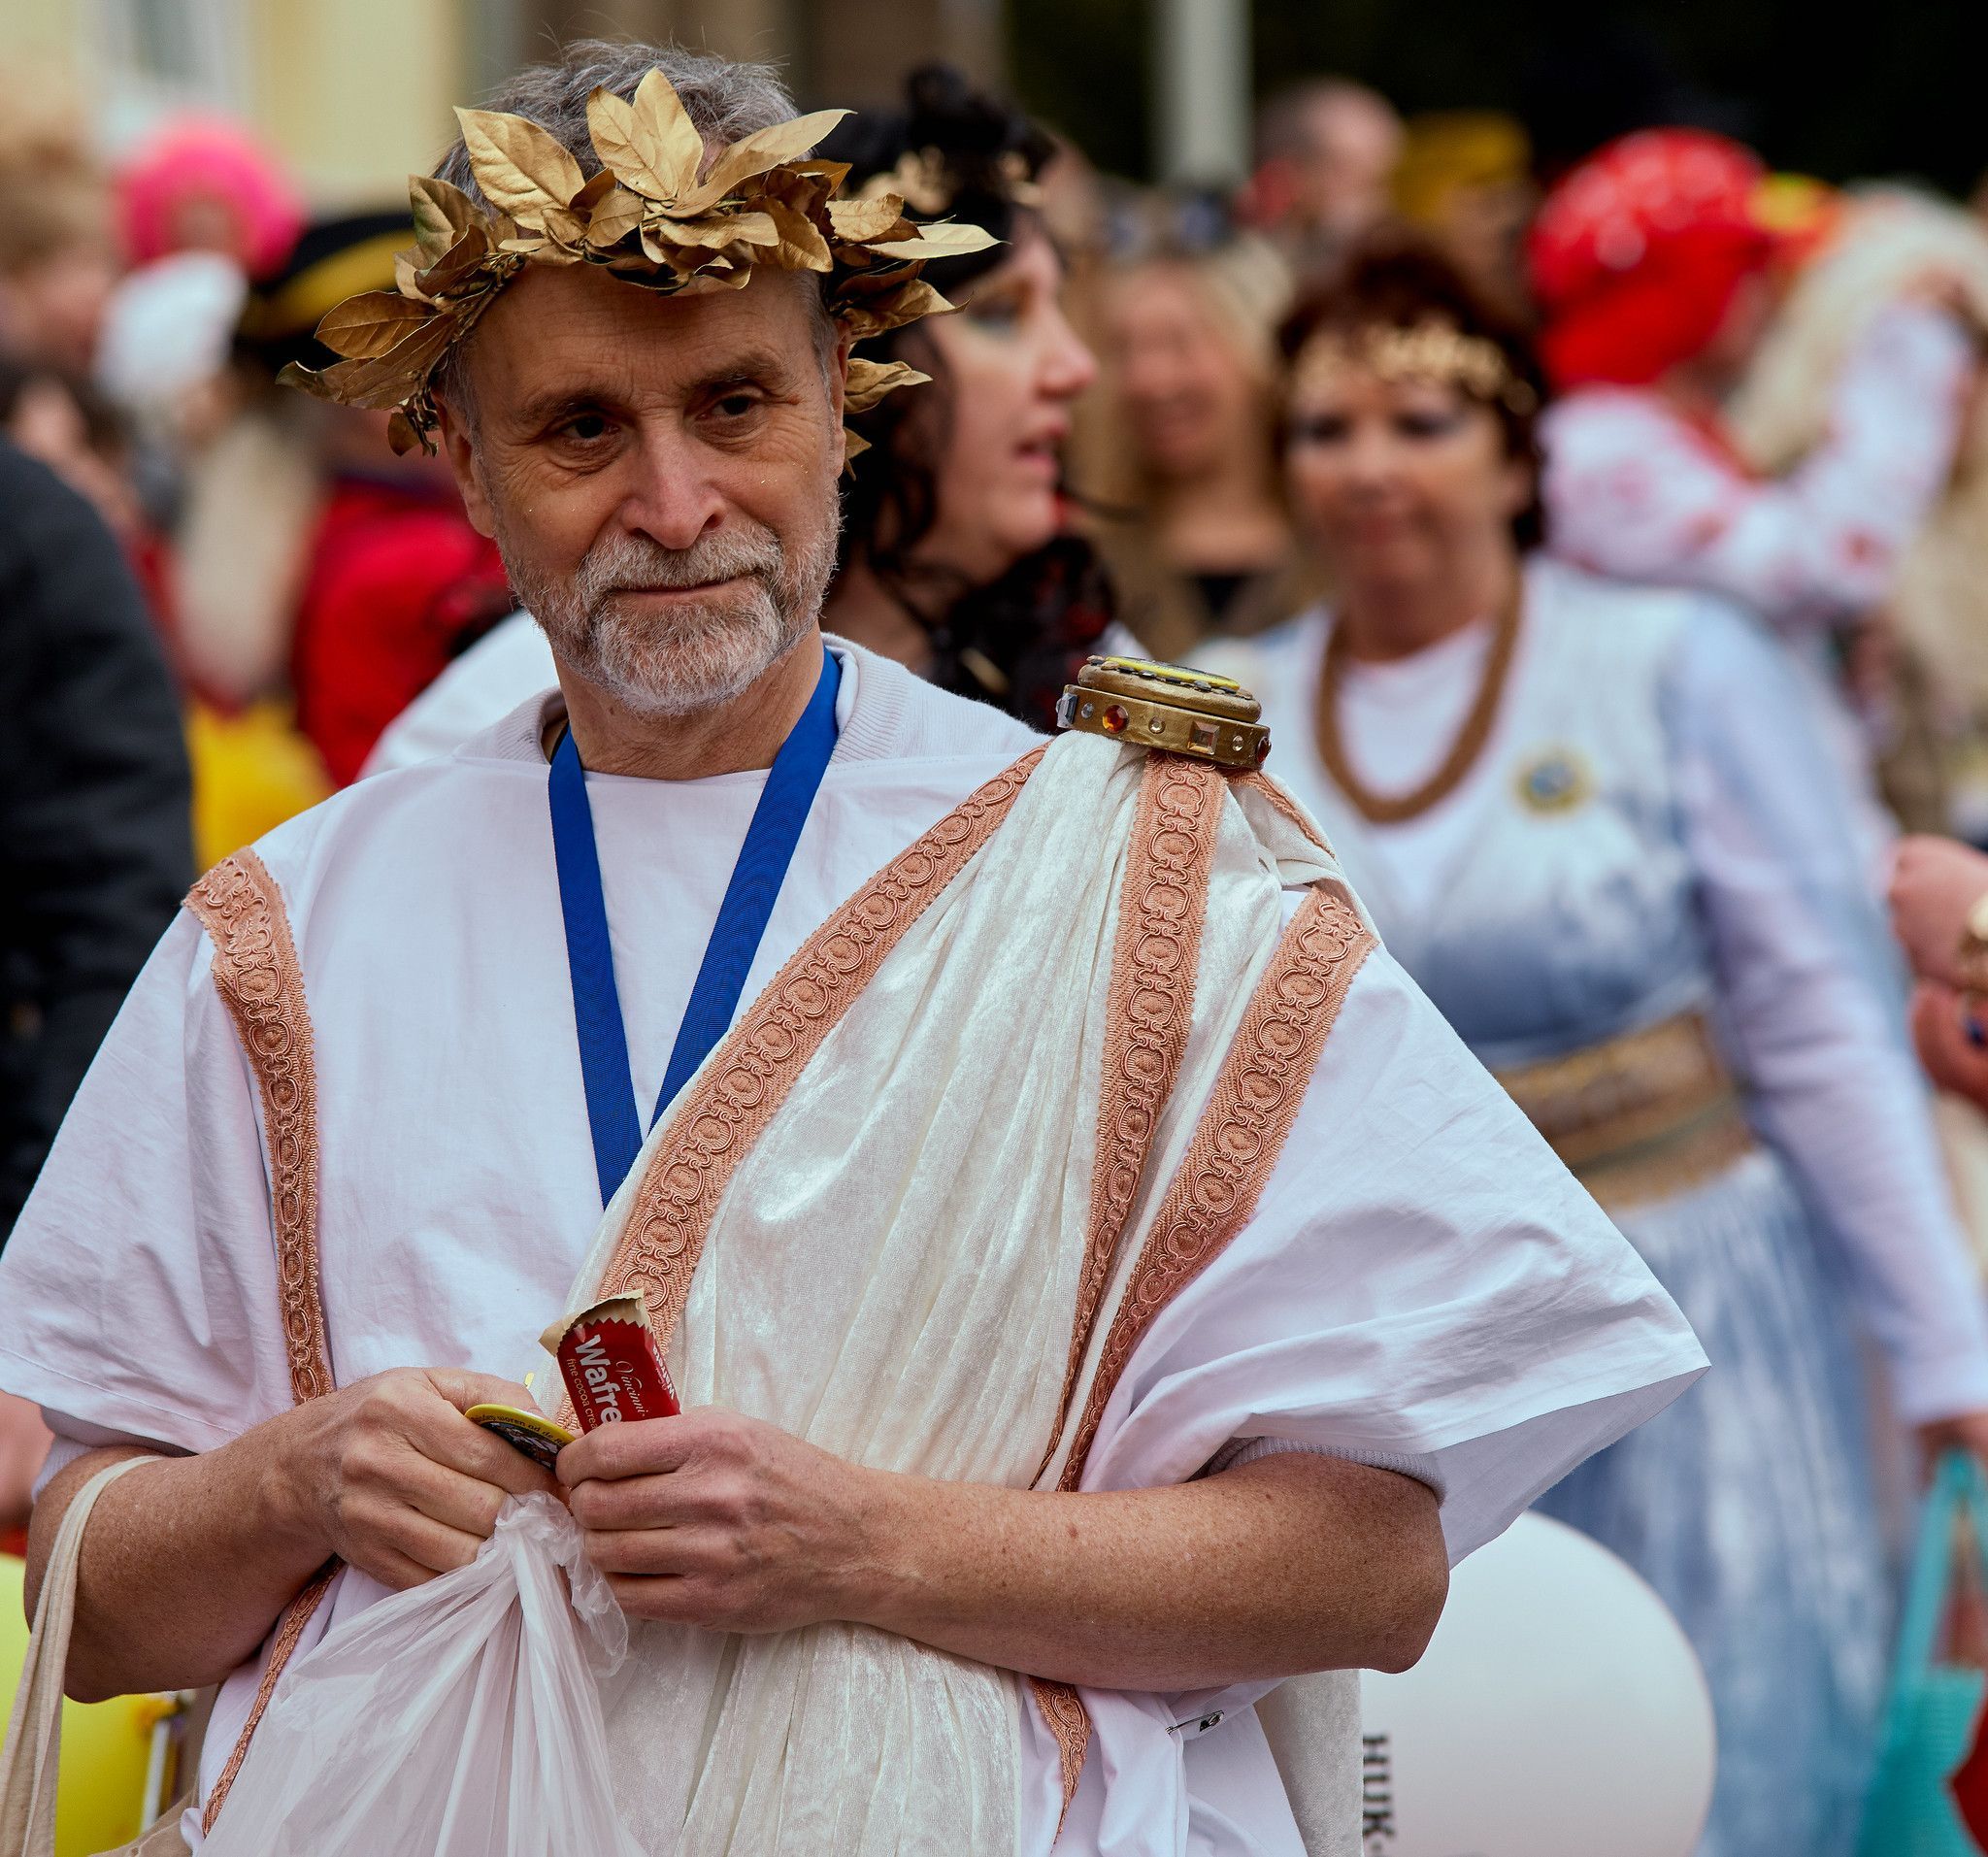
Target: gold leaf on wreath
{"x":942,"y":239}
{"x":629,"y":146}
{"x":599,"y":188}
{"x":713,"y":229}
{"x":614,"y":218}
{"x":565,"y":227}
{"x":751,"y":155}
{"x":521,"y":168}
{"x":443,"y":214}
{"x":406,"y":269}
{"x":380,"y":382}
{"x":859,"y":222}
{"x":663,"y":116}
{"x":866,"y":382}
{"x":372,"y":324}
{"x":889,"y":303}
{"x":464,"y":259}
{"x":801,"y":246}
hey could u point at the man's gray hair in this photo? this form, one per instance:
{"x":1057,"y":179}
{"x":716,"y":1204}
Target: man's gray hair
{"x":723,"y":98}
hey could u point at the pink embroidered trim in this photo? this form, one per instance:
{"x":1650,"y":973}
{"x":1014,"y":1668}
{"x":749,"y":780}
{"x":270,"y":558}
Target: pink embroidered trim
{"x":750,"y":1075}
{"x":1149,"y":1007}
{"x":1241,"y":1133}
{"x":1236,"y":1144}
{"x":261,"y":982}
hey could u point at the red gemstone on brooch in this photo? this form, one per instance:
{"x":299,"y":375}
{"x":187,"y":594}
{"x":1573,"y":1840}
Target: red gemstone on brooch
{"x":1263,"y":750}
{"x":1116,"y":720}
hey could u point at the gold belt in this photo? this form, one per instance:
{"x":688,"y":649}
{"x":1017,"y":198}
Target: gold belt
{"x":1638,"y":1117}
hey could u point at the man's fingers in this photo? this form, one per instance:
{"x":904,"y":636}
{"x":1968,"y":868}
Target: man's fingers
{"x":447,"y":1496}
{"x":445,"y":1437}
{"x":410,"y":1549}
{"x":637,"y":1447}
{"x":666,"y":1601}
{"x":665,"y":1499}
{"x":394,"y":1571}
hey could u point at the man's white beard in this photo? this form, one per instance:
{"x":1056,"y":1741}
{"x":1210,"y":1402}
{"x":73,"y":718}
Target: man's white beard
{"x":697,"y":652}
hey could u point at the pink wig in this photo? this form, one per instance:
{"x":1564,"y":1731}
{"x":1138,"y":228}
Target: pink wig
{"x":208,"y":161}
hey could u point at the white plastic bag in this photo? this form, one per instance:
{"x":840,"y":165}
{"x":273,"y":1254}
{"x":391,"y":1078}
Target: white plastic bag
{"x":457,"y":1719}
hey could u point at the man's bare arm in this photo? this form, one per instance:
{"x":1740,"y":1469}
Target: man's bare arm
{"x":187,"y":1562}
{"x":1293,"y":1563}
{"x":1296,"y":1562}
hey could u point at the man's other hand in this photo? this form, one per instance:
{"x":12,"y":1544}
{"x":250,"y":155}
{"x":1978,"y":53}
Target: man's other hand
{"x":719,"y":1520}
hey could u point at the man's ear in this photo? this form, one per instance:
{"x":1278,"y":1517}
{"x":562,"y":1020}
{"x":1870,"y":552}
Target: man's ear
{"x":838,"y":375}
{"x":461,"y":453}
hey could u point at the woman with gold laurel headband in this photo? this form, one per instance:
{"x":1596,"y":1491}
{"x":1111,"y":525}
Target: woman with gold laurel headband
{"x":1595,"y":823}
{"x":1087,"y":1261}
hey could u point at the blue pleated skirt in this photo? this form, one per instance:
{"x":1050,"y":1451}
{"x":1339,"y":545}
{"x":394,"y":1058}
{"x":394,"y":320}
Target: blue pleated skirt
{"x":1748,"y":1504}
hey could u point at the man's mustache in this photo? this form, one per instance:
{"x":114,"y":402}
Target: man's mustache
{"x":630,"y":564}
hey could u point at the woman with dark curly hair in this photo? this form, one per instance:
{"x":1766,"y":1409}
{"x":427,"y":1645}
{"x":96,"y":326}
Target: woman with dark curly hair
{"x":1598,"y":824}
{"x":955,"y":556}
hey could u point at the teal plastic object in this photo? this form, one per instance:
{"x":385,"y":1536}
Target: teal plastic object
{"x":1931,"y":1713}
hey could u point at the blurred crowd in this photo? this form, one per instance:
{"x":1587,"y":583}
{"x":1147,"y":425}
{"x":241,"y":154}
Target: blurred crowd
{"x":303,"y":583}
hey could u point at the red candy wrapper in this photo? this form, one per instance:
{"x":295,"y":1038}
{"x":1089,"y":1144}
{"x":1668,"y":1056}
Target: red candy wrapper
{"x":613,"y":1368}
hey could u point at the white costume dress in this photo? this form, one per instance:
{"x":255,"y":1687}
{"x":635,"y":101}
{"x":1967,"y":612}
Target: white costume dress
{"x":1654,"y":830}
{"x":1421,"y":1285}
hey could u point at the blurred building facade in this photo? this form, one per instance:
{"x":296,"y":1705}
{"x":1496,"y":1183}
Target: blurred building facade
{"x":356,"y":93}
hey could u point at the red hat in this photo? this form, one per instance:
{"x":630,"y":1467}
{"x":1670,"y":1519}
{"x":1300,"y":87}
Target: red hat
{"x":1636,"y":255}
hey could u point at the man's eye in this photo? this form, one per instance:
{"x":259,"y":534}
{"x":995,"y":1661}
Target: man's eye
{"x":586,"y":427}
{"x":735,"y":406}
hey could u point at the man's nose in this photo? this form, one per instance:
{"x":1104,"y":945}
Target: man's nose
{"x":673,"y":496}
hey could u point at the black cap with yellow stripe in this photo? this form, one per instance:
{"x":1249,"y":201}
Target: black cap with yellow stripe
{"x":336,"y":258}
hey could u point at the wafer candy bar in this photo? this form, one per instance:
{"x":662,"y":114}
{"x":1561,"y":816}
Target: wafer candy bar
{"x":613,"y":1368}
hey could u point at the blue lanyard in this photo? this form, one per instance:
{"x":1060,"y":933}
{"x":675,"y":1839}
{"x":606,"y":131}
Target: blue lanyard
{"x":612,"y":1109}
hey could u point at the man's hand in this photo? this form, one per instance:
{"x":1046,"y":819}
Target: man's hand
{"x":390,"y":1477}
{"x":189,"y":1560}
{"x":1934,"y":882}
{"x":718,"y":1520}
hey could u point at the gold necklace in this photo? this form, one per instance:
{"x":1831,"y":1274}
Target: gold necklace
{"x":1385,"y":809}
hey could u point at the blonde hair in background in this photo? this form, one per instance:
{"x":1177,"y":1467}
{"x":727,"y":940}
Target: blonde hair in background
{"x":53,"y":192}
{"x":1246,"y":287}
{"x":1891,"y":241}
